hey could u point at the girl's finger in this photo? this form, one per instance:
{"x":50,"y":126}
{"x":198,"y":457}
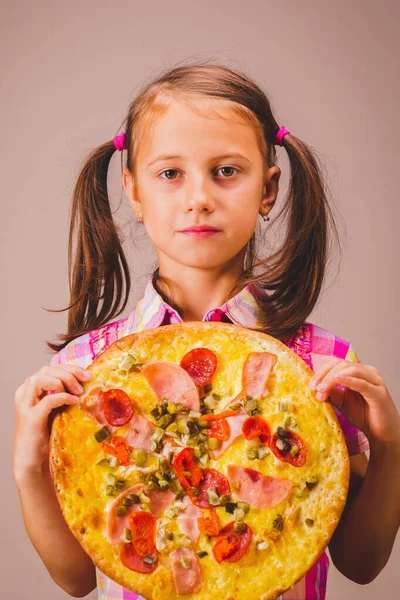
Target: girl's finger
{"x":37,"y":386}
{"x":52,"y":401}
{"x":358,"y":370}
{"x":320,"y":374}
{"x":80,"y":373}
{"x":68,"y":376}
{"x":39,"y":383}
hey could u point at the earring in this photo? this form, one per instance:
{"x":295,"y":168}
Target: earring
{"x":139,"y":219}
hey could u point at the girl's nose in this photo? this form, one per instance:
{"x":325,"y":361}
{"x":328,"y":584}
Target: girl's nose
{"x":198,"y":197}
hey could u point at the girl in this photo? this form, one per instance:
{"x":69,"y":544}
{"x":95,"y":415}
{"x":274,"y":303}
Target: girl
{"x":200,"y":168}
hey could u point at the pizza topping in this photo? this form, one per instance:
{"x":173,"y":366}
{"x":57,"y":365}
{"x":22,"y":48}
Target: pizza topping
{"x":116,"y":524}
{"x":251,"y":406}
{"x":220,"y":430}
{"x":213,"y":497}
{"x":172,"y":383}
{"x":143,"y":529}
{"x":130,"y":364}
{"x":256,"y":427}
{"x":133,"y":561}
{"x":186,"y":574}
{"x":118,"y":448}
{"x":102,"y":434}
{"x":187,"y":470}
{"x":139,"y":433}
{"x":278,"y":523}
{"x":235,"y":423}
{"x":92,"y":404}
{"x":232,"y":545}
{"x":312,"y":482}
{"x":117,"y":407}
{"x":209,"y":523}
{"x":257,"y":489}
{"x":217,"y":482}
{"x":219,"y":416}
{"x":200,"y":363}
{"x":159,"y":501}
{"x":188,"y":520}
{"x":256,"y":372}
{"x":126,"y":536}
{"x":129,"y":501}
{"x":288,"y":447}
{"x":164,"y":535}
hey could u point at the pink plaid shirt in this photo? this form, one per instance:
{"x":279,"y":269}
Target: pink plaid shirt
{"x":313,"y":344}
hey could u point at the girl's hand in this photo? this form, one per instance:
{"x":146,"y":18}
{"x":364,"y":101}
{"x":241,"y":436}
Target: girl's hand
{"x":362,"y":398}
{"x":33,"y":407}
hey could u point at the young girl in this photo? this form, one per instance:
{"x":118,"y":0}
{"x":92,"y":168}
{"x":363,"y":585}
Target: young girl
{"x":200,"y":169}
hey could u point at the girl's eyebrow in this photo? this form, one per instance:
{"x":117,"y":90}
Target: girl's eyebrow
{"x":220,"y":157}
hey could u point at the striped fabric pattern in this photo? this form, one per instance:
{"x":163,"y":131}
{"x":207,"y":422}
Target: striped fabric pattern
{"x":312,"y":343}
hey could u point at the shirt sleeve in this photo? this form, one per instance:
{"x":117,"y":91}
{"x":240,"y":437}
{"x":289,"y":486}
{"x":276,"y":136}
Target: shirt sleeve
{"x":356,"y":440}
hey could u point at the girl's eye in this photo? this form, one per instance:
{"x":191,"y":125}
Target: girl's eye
{"x":227,"y":175}
{"x":169,"y":171}
{"x":228,"y":169}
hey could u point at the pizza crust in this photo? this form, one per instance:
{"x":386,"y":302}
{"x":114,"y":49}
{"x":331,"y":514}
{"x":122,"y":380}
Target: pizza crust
{"x":79,"y":486}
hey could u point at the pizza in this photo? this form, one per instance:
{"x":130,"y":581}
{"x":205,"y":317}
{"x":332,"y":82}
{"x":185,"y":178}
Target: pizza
{"x":198,"y":463}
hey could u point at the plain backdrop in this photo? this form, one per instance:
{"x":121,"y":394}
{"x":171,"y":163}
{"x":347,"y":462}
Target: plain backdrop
{"x":68,"y":73}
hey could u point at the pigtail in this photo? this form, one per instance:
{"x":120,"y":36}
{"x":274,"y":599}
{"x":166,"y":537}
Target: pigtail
{"x":98,"y":270}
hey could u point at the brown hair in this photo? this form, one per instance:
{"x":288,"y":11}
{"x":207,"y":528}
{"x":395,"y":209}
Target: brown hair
{"x":292,"y":276}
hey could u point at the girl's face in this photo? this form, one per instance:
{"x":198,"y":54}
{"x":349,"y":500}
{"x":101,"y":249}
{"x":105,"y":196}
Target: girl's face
{"x":193,"y":170}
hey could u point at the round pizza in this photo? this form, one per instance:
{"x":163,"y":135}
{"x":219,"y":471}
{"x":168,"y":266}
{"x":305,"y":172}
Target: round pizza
{"x":198,"y":463}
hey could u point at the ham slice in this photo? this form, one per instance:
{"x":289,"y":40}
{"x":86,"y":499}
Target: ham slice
{"x":116,"y":524}
{"x":187,"y":581}
{"x":159,"y":501}
{"x":256,"y":372}
{"x":257,"y":489}
{"x":93,"y":405}
{"x":235,"y":424}
{"x":172,"y":383}
{"x":139,"y":433}
{"x":187,"y":521}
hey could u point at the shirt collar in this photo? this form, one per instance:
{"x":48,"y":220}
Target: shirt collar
{"x":150,"y":309}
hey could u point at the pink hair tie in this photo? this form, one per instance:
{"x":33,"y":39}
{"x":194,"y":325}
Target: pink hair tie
{"x":280,"y":134}
{"x":119,"y":142}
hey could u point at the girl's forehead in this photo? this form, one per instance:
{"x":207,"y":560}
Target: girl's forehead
{"x":192,"y":126}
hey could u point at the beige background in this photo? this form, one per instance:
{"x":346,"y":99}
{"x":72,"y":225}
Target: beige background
{"x":68,"y":72}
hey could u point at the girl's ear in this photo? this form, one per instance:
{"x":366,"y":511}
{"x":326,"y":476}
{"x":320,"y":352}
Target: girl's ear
{"x":270,"y":189}
{"x":131,"y":191}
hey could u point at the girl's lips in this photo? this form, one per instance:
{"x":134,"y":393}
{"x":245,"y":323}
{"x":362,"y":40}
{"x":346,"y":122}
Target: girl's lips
{"x":200,"y":234}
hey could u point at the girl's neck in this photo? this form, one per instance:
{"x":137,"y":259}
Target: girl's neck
{"x":194,"y":294}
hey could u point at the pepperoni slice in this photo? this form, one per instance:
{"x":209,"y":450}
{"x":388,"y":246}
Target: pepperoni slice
{"x":133,"y":561}
{"x":209,"y":523}
{"x":143,"y":528}
{"x":211,"y":478}
{"x":184,"y":464}
{"x":117,"y":407}
{"x":220,"y":429}
{"x":256,"y":427}
{"x":298,"y":459}
{"x":232,"y":546}
{"x":200,"y":363}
